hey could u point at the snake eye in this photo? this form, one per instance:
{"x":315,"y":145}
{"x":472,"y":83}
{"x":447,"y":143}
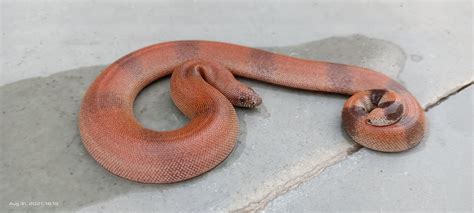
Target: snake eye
{"x":241,"y":99}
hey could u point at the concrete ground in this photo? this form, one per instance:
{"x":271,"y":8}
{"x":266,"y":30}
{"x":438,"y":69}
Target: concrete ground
{"x":291,"y":156}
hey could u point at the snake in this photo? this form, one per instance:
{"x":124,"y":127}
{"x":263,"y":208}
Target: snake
{"x":380,"y":113}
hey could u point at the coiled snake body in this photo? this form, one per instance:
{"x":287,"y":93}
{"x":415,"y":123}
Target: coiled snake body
{"x":380,"y":114}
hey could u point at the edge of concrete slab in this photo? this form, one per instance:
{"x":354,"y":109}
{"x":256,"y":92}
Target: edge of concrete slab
{"x":318,"y":169}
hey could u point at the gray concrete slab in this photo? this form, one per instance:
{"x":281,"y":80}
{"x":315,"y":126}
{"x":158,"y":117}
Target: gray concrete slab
{"x":435,"y":176}
{"x":422,"y":44}
{"x":44,"y":160}
{"x":45,"y":37}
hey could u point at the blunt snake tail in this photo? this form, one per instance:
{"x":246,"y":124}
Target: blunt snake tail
{"x":380,"y":113}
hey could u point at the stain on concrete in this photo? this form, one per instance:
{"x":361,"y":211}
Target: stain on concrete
{"x":359,"y":50}
{"x":416,"y":58}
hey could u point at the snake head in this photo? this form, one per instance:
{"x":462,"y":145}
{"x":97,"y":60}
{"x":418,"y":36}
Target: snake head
{"x":246,"y":97}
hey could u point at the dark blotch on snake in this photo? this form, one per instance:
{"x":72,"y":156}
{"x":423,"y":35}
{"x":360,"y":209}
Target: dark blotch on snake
{"x":395,"y":114}
{"x":339,"y":76}
{"x":385,"y":104}
{"x":187,"y":50}
{"x":132,"y":64}
{"x":263,"y":62}
{"x":376,"y":95}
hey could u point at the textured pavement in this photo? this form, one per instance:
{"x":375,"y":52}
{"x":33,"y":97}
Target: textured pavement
{"x":292,"y":155}
{"x":435,"y":176}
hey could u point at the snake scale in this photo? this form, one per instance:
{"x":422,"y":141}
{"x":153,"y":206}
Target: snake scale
{"x":380,"y":114}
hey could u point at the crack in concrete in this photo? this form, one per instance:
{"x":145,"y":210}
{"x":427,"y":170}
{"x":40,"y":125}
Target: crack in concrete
{"x":447,"y":95}
{"x":291,"y":184}
{"x":297,"y":181}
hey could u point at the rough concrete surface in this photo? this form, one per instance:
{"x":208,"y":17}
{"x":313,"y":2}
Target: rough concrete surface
{"x":435,"y":176}
{"x":45,"y":160}
{"x":49,"y":163}
{"x":44,"y":37}
{"x":282,"y":144}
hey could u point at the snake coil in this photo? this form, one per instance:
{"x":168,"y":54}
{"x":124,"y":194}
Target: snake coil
{"x":380,"y":114}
